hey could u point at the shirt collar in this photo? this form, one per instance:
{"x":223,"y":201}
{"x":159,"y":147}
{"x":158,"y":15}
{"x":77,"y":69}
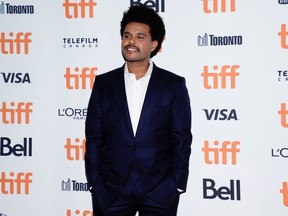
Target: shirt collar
{"x":148,"y":73}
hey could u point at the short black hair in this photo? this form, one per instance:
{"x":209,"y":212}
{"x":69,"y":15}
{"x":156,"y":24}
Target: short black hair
{"x":143,"y":14}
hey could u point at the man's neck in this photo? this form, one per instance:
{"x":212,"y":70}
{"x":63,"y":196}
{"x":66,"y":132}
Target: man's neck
{"x":138,"y":69}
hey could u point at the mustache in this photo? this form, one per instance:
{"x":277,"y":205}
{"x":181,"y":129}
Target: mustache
{"x":132,"y":46}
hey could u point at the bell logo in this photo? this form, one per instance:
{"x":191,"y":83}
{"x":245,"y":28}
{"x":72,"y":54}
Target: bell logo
{"x":86,"y":74}
{"x":283,"y":112}
{"x":81,"y":8}
{"x":15,"y":44}
{"x":283,"y":36}
{"x":213,"y":6}
{"x":154,"y":4}
{"x":226,"y":71}
{"x":284,"y":192}
{"x":282,"y":1}
{"x":20,"y":149}
{"x":75,"y":151}
{"x":212,"y":155}
{"x":79,"y":213}
{"x":20,"y":181}
{"x":224,"y":193}
{"x":14,"y":115}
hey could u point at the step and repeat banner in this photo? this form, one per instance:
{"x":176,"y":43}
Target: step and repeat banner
{"x":234,"y":56}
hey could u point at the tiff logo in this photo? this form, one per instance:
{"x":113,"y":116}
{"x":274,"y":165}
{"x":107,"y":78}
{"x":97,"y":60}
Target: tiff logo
{"x":75,"y":151}
{"x":12,"y":44}
{"x":77,"y":212}
{"x":226,"y":72}
{"x":215,"y":6}
{"x":20,"y":181}
{"x":16,"y":113}
{"x":158,"y":6}
{"x":283,"y":112}
{"x":284,"y":192}
{"x":220,"y":153}
{"x":84,"y":75}
{"x":283,"y":36}
{"x":74,"y":9}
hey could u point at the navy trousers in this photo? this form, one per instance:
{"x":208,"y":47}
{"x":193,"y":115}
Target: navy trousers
{"x":132,"y":199}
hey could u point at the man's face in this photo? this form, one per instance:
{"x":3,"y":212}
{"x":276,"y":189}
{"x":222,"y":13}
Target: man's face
{"x":137,"y":43}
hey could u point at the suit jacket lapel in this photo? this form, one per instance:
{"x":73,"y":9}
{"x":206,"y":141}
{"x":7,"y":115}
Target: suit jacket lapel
{"x":150,"y":99}
{"x":119,"y":93}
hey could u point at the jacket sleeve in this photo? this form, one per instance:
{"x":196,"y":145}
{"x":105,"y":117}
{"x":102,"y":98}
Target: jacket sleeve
{"x":181,"y":136}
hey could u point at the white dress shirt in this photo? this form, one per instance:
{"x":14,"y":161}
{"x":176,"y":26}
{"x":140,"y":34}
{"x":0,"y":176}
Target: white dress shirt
{"x":135,"y":92}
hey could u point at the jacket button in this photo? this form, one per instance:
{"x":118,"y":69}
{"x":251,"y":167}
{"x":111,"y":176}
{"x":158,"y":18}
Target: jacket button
{"x":133,"y":147}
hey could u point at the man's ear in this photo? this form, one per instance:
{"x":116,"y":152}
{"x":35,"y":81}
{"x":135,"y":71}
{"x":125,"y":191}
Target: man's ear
{"x":154,"y":45}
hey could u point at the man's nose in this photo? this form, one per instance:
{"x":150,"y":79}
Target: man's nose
{"x":132,"y":41}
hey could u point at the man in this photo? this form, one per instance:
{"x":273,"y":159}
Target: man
{"x":138,"y":128}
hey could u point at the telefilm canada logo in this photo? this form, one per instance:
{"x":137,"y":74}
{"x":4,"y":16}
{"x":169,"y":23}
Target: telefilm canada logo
{"x":282,"y":75}
{"x":7,"y":8}
{"x":80,"y":42}
{"x":214,"y":40}
{"x":73,"y":185}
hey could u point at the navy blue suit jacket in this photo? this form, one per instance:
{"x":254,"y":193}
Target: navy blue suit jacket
{"x":160,"y":149}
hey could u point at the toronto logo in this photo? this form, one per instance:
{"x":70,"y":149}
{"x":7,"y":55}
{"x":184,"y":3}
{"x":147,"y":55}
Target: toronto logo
{"x":214,"y":40}
{"x":7,"y":8}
